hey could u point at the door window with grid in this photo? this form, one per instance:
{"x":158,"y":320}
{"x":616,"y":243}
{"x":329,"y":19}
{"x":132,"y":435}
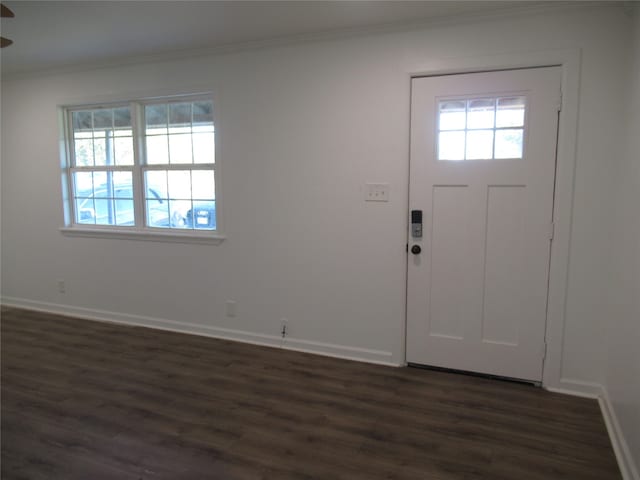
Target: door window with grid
{"x":481,"y":128}
{"x":143,"y":166}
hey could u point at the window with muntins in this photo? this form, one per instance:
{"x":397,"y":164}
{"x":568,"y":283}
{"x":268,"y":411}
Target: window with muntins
{"x":143,"y":166}
{"x":484,"y":128}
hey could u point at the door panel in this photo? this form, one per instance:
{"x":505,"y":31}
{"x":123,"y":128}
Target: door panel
{"x":450,"y":251}
{"x":482,"y":171}
{"x":504,"y":264}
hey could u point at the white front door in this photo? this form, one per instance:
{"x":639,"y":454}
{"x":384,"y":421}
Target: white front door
{"x":483,"y":151}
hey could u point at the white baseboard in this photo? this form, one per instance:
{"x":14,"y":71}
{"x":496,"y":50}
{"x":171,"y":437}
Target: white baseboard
{"x":628,"y":468}
{"x":596,"y":391}
{"x":378,"y":357}
{"x":577,"y":388}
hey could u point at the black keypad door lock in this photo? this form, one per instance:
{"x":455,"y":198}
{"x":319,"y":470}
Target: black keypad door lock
{"x":416,"y":249}
{"x":416,"y":223}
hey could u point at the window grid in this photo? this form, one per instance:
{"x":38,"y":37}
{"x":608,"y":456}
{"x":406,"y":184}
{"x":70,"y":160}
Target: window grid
{"x":467,"y":131}
{"x":174,"y":127}
{"x":97,"y":130}
{"x":88,"y":122}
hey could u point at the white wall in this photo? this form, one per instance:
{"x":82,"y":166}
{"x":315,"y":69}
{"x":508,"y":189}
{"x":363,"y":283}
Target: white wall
{"x":302,"y":128}
{"x":622,"y":379}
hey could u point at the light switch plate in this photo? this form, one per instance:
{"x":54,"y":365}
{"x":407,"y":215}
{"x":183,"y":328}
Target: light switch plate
{"x":376,"y":192}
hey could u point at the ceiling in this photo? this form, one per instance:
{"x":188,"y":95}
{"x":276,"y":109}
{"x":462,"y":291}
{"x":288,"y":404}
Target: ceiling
{"x":56,"y":34}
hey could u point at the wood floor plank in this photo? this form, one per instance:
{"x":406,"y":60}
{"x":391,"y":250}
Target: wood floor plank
{"x":84,"y":399}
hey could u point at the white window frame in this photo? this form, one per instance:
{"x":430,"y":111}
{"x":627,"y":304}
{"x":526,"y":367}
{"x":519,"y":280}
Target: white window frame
{"x":494,"y":96}
{"x":139,"y":231}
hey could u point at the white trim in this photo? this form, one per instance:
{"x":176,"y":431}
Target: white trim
{"x":378,"y":357}
{"x":139,"y":96}
{"x":171,"y":237}
{"x":488,"y":15}
{"x":137,"y":169}
{"x":620,"y":447}
{"x":562,"y":218}
{"x":577,"y":388}
{"x":346,"y":352}
{"x":569,"y":60}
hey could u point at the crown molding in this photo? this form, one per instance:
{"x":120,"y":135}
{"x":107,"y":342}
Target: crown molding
{"x":524,"y":10}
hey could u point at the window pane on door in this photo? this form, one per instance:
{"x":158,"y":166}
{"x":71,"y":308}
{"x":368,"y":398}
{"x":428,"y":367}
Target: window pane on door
{"x":481,"y":128}
{"x":452,"y":115}
{"x":480,"y":113}
{"x":509,"y":143}
{"x":510,"y":112}
{"x":479,"y":145}
{"x":451,"y":145}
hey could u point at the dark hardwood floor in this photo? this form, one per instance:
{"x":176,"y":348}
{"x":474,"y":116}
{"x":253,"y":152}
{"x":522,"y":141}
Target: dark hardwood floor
{"x":88,"y":400}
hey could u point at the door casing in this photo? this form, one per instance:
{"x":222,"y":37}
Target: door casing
{"x":495,"y":217}
{"x":569,"y":61}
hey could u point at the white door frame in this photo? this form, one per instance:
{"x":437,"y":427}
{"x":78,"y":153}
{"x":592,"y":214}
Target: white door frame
{"x":569,"y":61}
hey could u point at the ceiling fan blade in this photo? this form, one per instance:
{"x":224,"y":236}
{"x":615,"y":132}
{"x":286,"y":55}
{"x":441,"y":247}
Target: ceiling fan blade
{"x":5,"y":42}
{"x":5,"y":12}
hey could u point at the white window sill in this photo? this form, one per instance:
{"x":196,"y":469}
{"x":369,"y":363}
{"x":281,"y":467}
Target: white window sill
{"x":210,"y":238}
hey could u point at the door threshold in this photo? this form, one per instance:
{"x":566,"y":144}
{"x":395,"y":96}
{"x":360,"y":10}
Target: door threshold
{"x":475,"y":374}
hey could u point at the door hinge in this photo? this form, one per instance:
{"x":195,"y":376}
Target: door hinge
{"x":552,"y":230}
{"x":543,"y":350}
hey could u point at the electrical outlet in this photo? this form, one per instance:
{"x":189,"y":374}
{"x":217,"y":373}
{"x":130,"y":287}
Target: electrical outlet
{"x":284,"y":327}
{"x":62,"y":288}
{"x":231,"y":308}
